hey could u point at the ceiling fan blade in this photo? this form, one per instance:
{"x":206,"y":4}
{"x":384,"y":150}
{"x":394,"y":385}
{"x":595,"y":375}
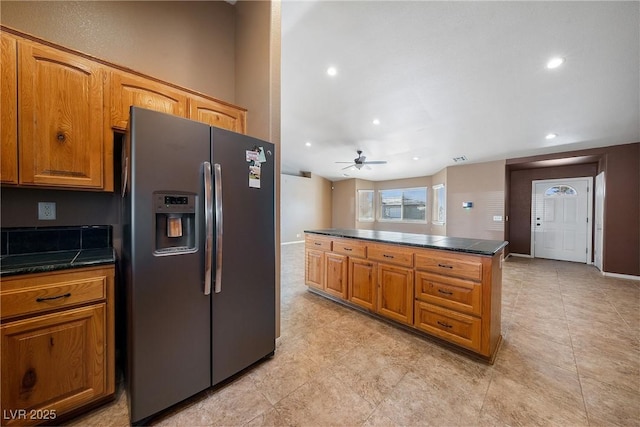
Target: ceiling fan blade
{"x":361,"y":159}
{"x":345,"y":162}
{"x":348,"y":167}
{"x":367,"y":167}
{"x":375,"y":162}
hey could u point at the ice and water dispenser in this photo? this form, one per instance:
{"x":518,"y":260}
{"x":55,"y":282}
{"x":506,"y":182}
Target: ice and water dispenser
{"x":175,"y":223}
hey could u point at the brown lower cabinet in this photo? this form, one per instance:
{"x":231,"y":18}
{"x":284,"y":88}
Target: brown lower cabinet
{"x":455,"y":297}
{"x":395,"y":293}
{"x":57,"y":338}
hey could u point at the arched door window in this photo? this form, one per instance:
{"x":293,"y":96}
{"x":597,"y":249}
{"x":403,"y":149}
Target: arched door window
{"x":561,"y":190}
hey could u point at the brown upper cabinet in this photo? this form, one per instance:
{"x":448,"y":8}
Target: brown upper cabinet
{"x":217,"y":114}
{"x":60,"y":121}
{"x":60,"y":107}
{"x":129,"y":89}
{"x":9,"y":109}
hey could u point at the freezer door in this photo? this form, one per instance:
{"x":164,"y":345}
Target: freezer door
{"x":169,"y":333}
{"x":243,"y":310}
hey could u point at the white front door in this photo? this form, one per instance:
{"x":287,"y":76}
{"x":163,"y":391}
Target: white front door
{"x":561,"y":219}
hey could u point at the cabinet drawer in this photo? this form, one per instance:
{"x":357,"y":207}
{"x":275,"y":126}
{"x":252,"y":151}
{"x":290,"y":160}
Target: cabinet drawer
{"x":391,"y":254}
{"x":456,"y":294}
{"x":316,"y":242}
{"x":467,"y":267}
{"x":28,"y":296}
{"x":350,"y":248}
{"x":449,"y":325}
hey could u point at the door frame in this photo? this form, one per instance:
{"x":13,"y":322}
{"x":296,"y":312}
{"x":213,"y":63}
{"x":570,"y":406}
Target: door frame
{"x":589,"y":180}
{"x":598,"y":241}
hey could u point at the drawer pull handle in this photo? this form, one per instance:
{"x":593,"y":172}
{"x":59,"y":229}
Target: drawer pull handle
{"x":67,"y":295}
{"x":444,"y":324}
{"x":347,"y":249}
{"x":317,"y":244}
{"x":445,"y":266}
{"x":445,"y":292}
{"x":387,"y":256}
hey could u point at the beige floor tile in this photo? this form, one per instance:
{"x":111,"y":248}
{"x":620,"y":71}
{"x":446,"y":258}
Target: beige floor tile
{"x":523,"y":350}
{"x":610,"y":405}
{"x":551,"y":329}
{"x":325,"y":401}
{"x":416,"y":402}
{"x":522,"y":400}
{"x":284,"y":373}
{"x":370,"y":373}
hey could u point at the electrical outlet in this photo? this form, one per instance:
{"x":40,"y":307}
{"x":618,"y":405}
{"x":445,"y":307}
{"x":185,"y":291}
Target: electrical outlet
{"x":47,"y":211}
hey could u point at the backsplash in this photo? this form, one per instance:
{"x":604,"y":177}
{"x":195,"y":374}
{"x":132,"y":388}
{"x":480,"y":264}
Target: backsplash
{"x":26,"y":240}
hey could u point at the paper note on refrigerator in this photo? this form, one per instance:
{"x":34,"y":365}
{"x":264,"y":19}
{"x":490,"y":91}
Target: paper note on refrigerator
{"x":254,"y":174}
{"x":253,"y":158}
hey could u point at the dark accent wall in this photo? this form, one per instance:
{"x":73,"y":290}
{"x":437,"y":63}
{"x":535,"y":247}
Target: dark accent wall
{"x":621,"y":165}
{"x":622,"y":210}
{"x":520,"y":199}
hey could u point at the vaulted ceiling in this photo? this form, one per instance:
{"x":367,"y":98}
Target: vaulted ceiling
{"x":452,"y":79}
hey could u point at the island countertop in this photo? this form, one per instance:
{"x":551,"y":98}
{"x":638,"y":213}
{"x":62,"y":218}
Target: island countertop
{"x":455,"y":244}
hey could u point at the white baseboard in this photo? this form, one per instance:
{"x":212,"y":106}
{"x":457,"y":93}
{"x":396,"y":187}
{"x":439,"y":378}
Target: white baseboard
{"x":519,"y":255}
{"x":291,"y":243}
{"x":621,"y":276}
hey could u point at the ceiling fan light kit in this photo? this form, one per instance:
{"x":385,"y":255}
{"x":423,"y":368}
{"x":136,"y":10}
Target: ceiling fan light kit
{"x":361,"y":161}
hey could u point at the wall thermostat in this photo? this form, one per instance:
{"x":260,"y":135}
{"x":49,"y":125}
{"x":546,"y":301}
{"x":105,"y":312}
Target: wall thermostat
{"x":467,"y":205}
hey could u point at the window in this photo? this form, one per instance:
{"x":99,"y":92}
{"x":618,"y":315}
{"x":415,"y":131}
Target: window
{"x":365,"y":206}
{"x":439,"y":204}
{"x":409,"y":204}
{"x":561,"y":190}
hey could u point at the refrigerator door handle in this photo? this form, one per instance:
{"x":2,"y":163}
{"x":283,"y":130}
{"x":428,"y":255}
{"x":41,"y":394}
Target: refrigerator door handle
{"x":218,"y":183}
{"x":208,"y":220}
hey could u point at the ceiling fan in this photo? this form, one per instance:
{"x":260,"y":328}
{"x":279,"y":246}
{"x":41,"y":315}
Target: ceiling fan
{"x":361,"y":161}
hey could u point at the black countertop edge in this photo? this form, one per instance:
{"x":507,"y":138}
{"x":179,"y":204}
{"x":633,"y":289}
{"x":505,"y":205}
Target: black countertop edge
{"x":13,"y":265}
{"x":453,"y":244}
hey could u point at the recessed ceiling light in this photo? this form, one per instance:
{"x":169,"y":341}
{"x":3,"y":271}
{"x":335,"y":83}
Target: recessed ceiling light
{"x":332,"y":71}
{"x":416,"y":158}
{"x":376,"y":121}
{"x":555,"y":62}
{"x":551,"y":135}
{"x":308,"y":144}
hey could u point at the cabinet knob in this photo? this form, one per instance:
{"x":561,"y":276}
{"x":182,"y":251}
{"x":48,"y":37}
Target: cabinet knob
{"x":60,"y":137}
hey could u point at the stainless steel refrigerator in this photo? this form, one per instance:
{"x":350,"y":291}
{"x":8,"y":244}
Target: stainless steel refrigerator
{"x":198,"y":257}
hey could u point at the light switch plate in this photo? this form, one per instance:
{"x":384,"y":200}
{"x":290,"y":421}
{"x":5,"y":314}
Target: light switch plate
{"x":47,"y":211}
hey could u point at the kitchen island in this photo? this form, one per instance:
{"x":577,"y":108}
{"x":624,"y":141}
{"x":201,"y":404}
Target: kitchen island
{"x":447,"y":288}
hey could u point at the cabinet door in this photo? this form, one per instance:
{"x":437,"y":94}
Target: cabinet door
{"x":54,"y":362}
{"x":217,"y":114}
{"x":362,"y":283}
{"x":450,"y":325}
{"x":395,"y":293}
{"x":129,"y":89}
{"x":60,"y":118}
{"x":336,"y":275}
{"x":9,"y":110}
{"x":314,"y":268}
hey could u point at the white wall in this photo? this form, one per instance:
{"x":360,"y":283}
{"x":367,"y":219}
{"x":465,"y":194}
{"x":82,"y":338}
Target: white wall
{"x":305,"y":205}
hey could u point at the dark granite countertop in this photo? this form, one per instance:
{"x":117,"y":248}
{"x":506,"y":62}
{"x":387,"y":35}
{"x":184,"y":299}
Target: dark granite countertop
{"x":11,"y":265}
{"x":25,"y":250}
{"x":455,"y":244}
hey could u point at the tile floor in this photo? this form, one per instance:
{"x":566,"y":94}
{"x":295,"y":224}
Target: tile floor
{"x":570,"y":357}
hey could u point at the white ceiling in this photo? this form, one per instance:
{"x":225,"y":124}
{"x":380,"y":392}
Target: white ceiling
{"x":448,"y":79}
